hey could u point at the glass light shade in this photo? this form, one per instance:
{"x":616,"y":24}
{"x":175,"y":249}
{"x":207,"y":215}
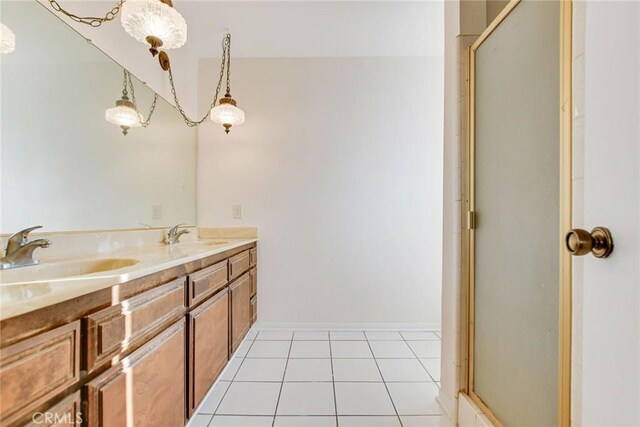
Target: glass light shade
{"x":144,"y":18}
{"x":7,"y":39}
{"x":227,"y":115}
{"x":124,"y":115}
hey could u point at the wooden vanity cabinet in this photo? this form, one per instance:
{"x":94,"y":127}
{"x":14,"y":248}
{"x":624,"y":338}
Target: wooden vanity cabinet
{"x":206,"y":282}
{"x":67,"y":412}
{"x":125,"y":326}
{"x":238,"y":264}
{"x":35,"y":370}
{"x":208,"y":346}
{"x":147,"y":388}
{"x":240,"y":291}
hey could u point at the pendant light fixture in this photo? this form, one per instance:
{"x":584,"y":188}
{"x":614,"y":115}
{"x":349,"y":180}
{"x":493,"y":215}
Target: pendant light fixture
{"x":152,"y":22}
{"x":125,"y":114}
{"x":226,"y":112}
{"x":7,"y":39}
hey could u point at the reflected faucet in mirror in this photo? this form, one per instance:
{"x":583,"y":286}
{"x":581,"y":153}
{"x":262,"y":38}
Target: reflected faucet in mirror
{"x":19,"y":251}
{"x":174,"y":235}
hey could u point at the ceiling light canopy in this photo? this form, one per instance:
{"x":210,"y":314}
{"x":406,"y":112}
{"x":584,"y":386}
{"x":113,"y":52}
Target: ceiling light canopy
{"x":154,"y":22}
{"x":7,"y":39}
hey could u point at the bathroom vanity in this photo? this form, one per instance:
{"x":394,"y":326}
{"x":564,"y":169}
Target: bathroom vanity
{"x":138,"y":352}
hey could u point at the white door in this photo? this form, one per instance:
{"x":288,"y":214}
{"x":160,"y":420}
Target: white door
{"x":606,"y":337}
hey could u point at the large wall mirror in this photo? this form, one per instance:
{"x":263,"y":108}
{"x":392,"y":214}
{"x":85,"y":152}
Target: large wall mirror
{"x":63,"y":165}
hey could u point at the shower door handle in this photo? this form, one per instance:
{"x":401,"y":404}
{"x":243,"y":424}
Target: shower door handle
{"x":580,"y":242}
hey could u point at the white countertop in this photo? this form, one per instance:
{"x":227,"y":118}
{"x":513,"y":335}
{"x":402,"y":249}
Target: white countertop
{"x":22,"y":290}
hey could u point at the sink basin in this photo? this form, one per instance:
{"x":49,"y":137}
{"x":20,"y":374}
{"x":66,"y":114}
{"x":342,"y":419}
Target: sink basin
{"x":206,"y":242}
{"x":51,"y":271}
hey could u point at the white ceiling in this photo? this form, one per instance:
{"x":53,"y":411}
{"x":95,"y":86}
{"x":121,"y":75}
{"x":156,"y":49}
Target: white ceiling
{"x":315,"y":28}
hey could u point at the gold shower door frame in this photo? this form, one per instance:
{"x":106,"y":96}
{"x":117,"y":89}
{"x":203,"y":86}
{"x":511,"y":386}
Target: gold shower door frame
{"x":564,"y":326}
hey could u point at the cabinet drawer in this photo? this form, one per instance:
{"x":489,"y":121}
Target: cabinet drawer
{"x":129,"y":324}
{"x":253,"y":256}
{"x":208,"y":345}
{"x":206,"y":282}
{"x":238,"y":264}
{"x":35,"y":370}
{"x":254,"y":309}
{"x":66,"y":412}
{"x":146,"y":389}
{"x":254,"y":281}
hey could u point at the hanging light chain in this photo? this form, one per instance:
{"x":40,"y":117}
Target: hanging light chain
{"x":93,"y":21}
{"x":133,"y":99}
{"x":226,"y":43}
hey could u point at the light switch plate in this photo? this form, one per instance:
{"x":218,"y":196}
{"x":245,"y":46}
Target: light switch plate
{"x":156,"y":212}
{"x":237,"y":211}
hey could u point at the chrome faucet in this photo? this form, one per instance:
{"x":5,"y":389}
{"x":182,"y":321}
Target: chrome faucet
{"x":174,"y":235}
{"x":19,"y":251}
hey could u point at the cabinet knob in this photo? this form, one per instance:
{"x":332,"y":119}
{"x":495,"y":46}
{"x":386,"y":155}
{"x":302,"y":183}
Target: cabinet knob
{"x":580,"y":242}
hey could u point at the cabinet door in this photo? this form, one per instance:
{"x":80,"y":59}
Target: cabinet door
{"x":147,"y":388}
{"x":208,"y":345}
{"x":240,"y":309}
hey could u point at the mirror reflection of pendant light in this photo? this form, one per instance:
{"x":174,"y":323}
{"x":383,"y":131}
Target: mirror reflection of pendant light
{"x":125,"y":114}
{"x":154,"y":22}
{"x":226,"y":112}
{"x":7,"y":39}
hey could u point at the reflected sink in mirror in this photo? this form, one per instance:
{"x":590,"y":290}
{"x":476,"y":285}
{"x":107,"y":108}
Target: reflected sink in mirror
{"x":50,"y":271}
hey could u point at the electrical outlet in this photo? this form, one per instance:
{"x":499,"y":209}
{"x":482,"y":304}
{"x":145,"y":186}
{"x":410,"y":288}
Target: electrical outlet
{"x":156,"y":212}
{"x":237,"y":211}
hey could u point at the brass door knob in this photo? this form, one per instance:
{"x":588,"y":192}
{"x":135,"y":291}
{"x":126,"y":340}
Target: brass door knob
{"x":599,"y":242}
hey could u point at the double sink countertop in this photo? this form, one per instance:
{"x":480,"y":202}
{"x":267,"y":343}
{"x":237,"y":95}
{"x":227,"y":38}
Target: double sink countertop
{"x":91,"y":261}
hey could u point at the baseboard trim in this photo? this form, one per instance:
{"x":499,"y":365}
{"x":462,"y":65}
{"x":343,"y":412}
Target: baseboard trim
{"x":310,"y":326}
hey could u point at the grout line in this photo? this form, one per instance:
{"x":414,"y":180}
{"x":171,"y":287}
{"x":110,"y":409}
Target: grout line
{"x":333,"y":382}
{"x":418,"y":359}
{"x":383,"y":380}
{"x":284,"y":374}
{"x":215,"y":411}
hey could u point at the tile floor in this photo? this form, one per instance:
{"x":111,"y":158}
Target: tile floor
{"x":328,"y":379}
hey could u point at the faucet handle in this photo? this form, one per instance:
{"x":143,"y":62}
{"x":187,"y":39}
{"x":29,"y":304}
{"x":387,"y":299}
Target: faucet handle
{"x":174,"y":229}
{"x":20,"y":238}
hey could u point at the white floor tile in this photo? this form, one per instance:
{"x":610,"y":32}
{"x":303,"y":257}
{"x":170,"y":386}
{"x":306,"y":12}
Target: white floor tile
{"x":270,"y":349}
{"x":387,"y":421}
{"x":275,"y":336}
{"x":433,"y":366}
{"x":438,"y":333}
{"x":306,"y":399}
{"x":363,"y":399}
{"x":240,"y":421}
{"x":425,"y":349}
{"x":419,"y":336}
{"x":305,"y":421}
{"x":350,"y":349}
{"x":355,"y":370}
{"x":231,"y":369}
{"x":391,"y":350}
{"x":242,"y":350}
{"x":250,"y":399}
{"x":308,"y":370}
{"x":199,"y":420}
{"x":311,"y":335}
{"x":407,"y":370}
{"x":213,"y":398}
{"x":426,"y":421}
{"x":347,"y":336}
{"x":383,"y":336}
{"x":415,"y":398}
{"x":251,"y":335}
{"x":261,"y":370}
{"x":310,"y":349}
